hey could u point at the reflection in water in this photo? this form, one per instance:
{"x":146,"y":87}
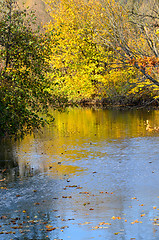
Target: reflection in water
{"x":93,"y":174}
{"x":8,"y":161}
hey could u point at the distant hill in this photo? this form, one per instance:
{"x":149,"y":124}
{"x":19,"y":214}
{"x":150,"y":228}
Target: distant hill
{"x":39,"y":7}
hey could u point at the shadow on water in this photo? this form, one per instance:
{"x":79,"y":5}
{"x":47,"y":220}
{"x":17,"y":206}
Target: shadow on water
{"x":8,"y":161}
{"x":93,"y":174}
{"x":19,"y":198}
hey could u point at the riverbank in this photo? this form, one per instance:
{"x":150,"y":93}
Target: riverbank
{"x":121,"y":102}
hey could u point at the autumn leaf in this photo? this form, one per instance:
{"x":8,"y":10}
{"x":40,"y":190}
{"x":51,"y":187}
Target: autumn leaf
{"x":142,"y":215}
{"x":115,"y":218}
{"x":37,"y":203}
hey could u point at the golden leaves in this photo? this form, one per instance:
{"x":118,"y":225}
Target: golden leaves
{"x":77,"y":56}
{"x":114,"y":218}
{"x":136,"y":221}
{"x":102,"y":225}
{"x":142,"y":215}
{"x":66,"y":196}
{"x":106,"y":192}
{"x":50,"y":228}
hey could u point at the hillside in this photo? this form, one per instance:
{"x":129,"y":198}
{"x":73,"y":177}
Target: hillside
{"x":39,"y":7}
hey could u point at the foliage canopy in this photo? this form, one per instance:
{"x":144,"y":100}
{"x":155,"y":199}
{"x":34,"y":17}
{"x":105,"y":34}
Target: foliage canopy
{"x":100,"y":49}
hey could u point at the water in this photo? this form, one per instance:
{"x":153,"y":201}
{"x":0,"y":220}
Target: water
{"x":93,"y":174}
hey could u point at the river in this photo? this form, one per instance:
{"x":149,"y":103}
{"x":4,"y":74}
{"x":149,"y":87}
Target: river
{"x":92,"y":174}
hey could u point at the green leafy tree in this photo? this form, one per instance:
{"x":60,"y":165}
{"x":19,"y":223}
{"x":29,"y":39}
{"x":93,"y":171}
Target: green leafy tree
{"x":24,"y":97}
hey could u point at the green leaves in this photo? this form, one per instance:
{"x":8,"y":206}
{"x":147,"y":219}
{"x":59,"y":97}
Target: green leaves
{"x":22,"y":73}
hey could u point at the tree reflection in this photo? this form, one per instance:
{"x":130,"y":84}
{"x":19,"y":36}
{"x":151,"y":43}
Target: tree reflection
{"x":8,"y":161}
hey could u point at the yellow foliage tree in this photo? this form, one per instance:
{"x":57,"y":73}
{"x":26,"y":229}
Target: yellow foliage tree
{"x":79,"y":60}
{"x":89,"y":46}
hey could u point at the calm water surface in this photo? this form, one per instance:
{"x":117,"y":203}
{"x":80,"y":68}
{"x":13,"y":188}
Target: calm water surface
{"x":93,"y":174}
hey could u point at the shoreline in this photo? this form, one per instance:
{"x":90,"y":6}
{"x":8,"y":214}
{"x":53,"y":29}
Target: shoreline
{"x":153,"y":104}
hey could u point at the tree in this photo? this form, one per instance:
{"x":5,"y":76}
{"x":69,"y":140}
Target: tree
{"x":24,"y":96}
{"x":133,"y":33}
{"x":81,"y":58}
{"x":78,"y":60}
{"x":99,"y":49}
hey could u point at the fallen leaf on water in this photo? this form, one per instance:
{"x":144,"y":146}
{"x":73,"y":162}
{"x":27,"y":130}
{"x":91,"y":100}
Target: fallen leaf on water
{"x":136,"y":221}
{"x":10,"y":232}
{"x":116,"y":217}
{"x":48,"y":226}
{"x":66,"y":196}
{"x":83,"y":192}
{"x":64,"y":227}
{"x":156,"y":224}
{"x":84,"y":223}
{"x":45,"y":223}
{"x":104,"y":223}
{"x":72,"y":186}
{"x":84,"y":204}
{"x":97,"y":227}
{"x":17,"y":227}
{"x":142,"y":215}
{"x":50,"y":229}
